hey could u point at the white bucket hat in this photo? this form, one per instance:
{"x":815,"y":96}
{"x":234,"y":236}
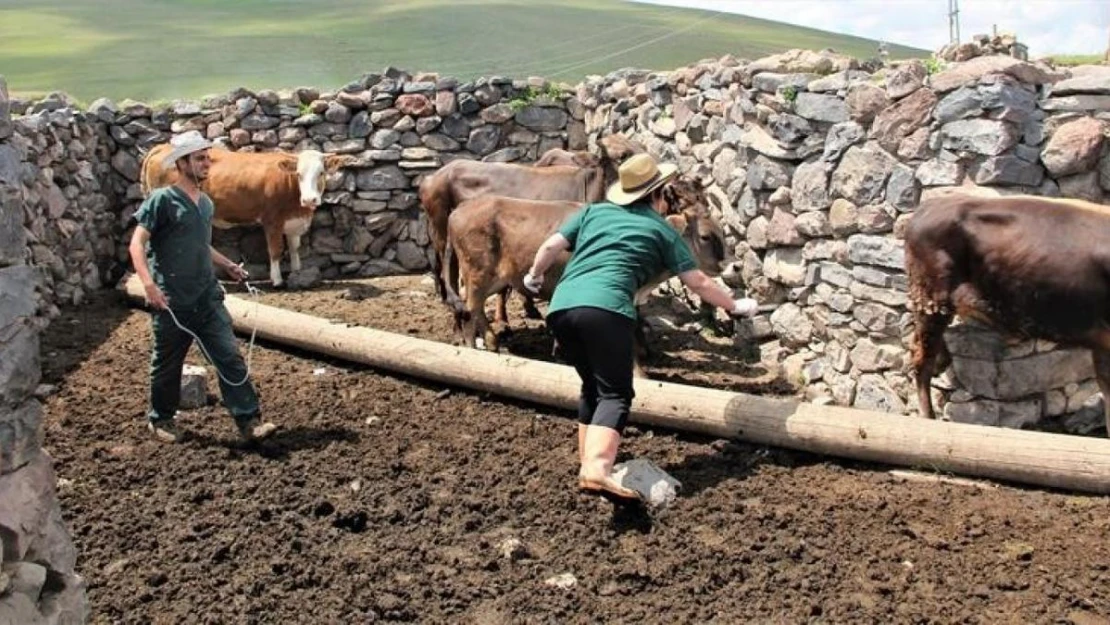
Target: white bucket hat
{"x":638,"y":176}
{"x":183,"y":145}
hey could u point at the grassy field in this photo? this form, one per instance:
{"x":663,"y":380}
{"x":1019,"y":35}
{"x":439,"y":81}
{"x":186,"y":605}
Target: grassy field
{"x":1071,"y":60}
{"x":162,"y":49}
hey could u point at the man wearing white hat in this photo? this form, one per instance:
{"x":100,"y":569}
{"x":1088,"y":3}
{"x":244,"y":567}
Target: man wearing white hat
{"x":616,"y":247}
{"x":177,"y":274}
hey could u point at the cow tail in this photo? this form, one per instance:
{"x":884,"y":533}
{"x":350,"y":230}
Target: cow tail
{"x":462,"y":315}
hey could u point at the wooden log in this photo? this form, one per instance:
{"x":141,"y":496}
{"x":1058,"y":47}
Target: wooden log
{"x":1043,"y":459}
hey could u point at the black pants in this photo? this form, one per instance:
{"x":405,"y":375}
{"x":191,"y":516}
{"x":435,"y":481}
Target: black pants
{"x":598,"y":344}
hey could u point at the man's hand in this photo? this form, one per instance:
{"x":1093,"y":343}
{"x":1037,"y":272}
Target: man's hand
{"x":155,"y":298}
{"x":533,"y":283}
{"x":236,"y":272}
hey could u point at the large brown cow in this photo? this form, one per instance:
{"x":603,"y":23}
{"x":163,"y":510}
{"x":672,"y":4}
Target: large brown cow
{"x":496,"y":238}
{"x":462,"y":180}
{"x":278,"y":190}
{"x":1031,"y":267}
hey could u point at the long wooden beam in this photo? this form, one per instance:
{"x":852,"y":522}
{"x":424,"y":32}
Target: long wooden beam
{"x":1043,"y":459}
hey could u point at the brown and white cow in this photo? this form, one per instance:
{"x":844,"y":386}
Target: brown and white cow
{"x":278,"y":190}
{"x":496,"y":238}
{"x":1031,"y":267}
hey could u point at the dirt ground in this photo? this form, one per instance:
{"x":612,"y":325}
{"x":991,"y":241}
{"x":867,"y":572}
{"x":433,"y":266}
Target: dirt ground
{"x":384,"y":499}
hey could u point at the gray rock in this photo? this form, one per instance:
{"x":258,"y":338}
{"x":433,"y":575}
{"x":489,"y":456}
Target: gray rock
{"x":875,"y":250}
{"x":1086,"y":80}
{"x":1010,"y":102}
{"x":1083,"y":186}
{"x":484,"y":139}
{"x":306,"y":278}
{"x":792,"y":326}
{"x":411,"y":256}
{"x":809,"y":187}
{"x":1009,"y":170}
{"x":981,"y":136}
{"x":902,"y":191}
{"x":382,"y":178}
{"x":874,"y":393}
{"x":962,"y":103}
{"x":765,"y":174}
{"x":820,"y":107}
{"x":862,"y":175}
{"x":840,"y":137}
{"x":868,"y":356}
{"x":440,"y":142}
{"x":785,"y":265}
{"x":790,"y":129}
{"x":360,"y":126}
{"x":939,"y":172}
{"x":813,"y":224}
{"x":541,"y":118}
{"x":1077,"y":103}
{"x":194,"y":387}
{"x":771,"y":82}
{"x":843,"y":218}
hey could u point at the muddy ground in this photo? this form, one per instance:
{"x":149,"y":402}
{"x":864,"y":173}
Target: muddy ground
{"x":384,"y":500}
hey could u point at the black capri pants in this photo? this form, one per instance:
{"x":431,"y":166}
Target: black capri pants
{"x":598,"y":344}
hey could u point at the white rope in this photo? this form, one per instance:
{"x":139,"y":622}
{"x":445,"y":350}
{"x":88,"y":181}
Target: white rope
{"x":253,"y":292}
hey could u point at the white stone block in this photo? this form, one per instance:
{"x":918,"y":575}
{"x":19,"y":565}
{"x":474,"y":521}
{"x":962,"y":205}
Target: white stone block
{"x":194,"y":387}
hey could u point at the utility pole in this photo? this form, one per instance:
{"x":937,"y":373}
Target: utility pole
{"x":953,"y":21}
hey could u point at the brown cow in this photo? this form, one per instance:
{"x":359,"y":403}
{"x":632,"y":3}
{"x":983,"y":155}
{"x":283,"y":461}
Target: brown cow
{"x":495,"y":239}
{"x":1030,"y":267}
{"x":278,"y":190}
{"x":462,"y":180}
{"x":558,"y":157}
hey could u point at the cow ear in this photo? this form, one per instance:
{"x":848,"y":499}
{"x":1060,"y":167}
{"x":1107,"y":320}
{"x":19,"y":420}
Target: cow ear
{"x":678,"y":222}
{"x":288,"y":165}
{"x":333,"y":162}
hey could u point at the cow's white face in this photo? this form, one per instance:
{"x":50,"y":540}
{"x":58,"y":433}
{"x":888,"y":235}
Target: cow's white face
{"x":311,"y":171}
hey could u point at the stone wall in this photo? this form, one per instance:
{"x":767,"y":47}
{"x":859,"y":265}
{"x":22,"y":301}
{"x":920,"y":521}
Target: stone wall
{"x":399,"y":127}
{"x":815,"y":164}
{"x":37,"y":557}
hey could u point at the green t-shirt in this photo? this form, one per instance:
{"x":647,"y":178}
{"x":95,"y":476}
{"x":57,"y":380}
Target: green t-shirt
{"x":179,"y":252}
{"x":615,"y":250}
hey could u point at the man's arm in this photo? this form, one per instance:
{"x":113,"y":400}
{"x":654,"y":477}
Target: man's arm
{"x":223,"y":262}
{"x":545,"y":256}
{"x":137,"y":248}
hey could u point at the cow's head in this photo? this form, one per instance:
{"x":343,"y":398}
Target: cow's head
{"x":311,"y":168}
{"x":688,"y":212}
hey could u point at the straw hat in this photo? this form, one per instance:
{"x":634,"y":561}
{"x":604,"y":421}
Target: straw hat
{"x":638,"y":176}
{"x":183,"y":145}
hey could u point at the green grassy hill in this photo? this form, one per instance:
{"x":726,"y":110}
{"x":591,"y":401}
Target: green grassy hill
{"x":160,"y":49}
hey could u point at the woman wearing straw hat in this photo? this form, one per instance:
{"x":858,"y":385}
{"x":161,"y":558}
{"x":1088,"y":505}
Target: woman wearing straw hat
{"x":616,"y":247}
{"x":181,"y":286}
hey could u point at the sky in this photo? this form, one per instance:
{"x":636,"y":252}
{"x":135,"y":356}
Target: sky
{"x":1046,"y":26}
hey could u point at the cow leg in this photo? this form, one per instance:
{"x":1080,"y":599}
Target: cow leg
{"x":930,"y":355}
{"x":1101,"y":357}
{"x":500,"y":311}
{"x":294,"y":230}
{"x":275,"y":245}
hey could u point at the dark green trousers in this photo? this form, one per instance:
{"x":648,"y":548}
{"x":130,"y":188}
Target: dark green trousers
{"x":210,"y":321}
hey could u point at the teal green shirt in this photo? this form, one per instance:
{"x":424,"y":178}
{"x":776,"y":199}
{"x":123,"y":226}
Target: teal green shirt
{"x":616,"y":250}
{"x":179,"y":251}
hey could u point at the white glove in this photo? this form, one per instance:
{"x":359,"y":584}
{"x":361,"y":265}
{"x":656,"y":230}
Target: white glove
{"x":744,"y":307}
{"x":533,"y":283}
